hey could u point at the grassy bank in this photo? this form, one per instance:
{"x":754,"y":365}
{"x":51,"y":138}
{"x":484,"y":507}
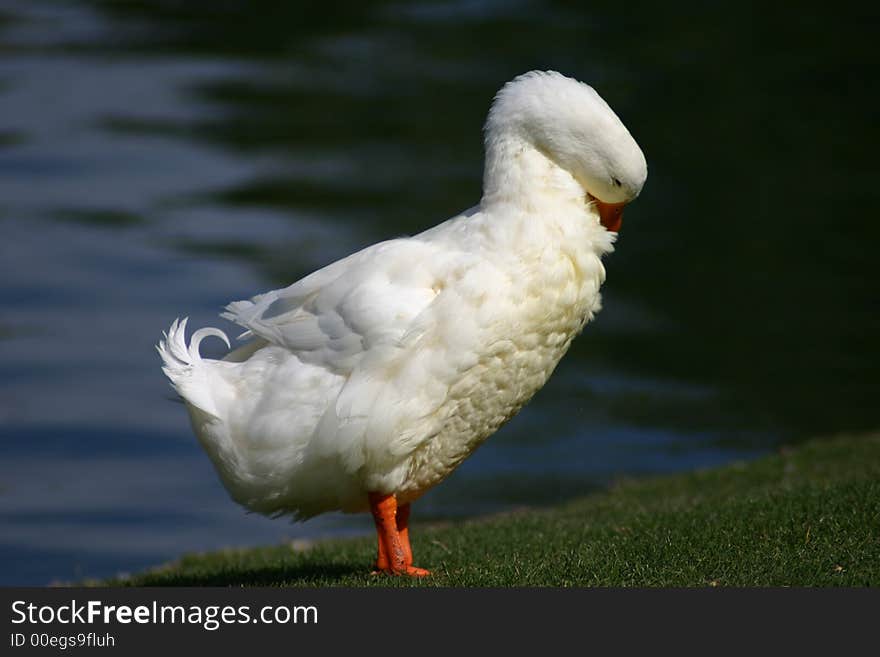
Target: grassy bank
{"x":807,"y":516}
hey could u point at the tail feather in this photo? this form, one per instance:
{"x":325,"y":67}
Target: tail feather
{"x":184,"y":366}
{"x":241,"y":312}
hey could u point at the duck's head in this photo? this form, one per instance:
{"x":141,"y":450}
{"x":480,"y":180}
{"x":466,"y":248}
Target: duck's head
{"x":570,"y":124}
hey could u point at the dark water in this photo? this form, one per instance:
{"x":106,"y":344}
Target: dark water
{"x":162,"y":158}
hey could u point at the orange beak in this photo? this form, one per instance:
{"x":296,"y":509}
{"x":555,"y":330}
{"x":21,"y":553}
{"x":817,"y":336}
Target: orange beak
{"x":610,"y":214}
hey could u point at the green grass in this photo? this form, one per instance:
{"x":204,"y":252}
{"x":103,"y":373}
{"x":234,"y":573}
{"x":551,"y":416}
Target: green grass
{"x":809,"y":516}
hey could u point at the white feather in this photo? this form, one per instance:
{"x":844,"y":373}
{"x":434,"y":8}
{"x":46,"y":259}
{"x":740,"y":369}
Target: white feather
{"x":383,"y":371}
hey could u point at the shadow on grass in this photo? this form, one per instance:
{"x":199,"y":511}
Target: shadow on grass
{"x":303,"y":574}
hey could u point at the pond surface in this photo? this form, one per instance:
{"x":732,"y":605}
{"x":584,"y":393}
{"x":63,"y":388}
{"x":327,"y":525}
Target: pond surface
{"x":161,"y":158}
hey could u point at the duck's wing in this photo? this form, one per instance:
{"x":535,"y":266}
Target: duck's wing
{"x":402,"y":321}
{"x":337,"y":314}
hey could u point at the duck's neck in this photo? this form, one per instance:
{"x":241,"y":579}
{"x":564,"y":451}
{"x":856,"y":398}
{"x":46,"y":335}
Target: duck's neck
{"x":518,"y":174}
{"x":530,"y":204}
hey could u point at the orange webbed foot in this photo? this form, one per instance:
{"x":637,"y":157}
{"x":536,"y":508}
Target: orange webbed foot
{"x":412,"y":571}
{"x":394,"y":556}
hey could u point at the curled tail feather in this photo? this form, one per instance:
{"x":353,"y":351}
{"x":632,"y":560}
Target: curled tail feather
{"x":184,"y":366}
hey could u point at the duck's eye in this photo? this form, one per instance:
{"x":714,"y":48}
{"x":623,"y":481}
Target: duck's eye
{"x":616,"y":182}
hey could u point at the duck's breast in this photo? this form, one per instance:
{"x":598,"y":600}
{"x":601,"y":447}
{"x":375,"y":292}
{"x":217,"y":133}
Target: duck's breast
{"x":510,"y":334}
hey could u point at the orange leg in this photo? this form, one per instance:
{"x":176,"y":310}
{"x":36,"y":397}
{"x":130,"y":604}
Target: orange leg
{"x":393,"y":558}
{"x":403,"y":532}
{"x":381,"y":563}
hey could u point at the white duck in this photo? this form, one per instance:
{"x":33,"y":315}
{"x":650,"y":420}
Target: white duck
{"x":367,"y":382}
